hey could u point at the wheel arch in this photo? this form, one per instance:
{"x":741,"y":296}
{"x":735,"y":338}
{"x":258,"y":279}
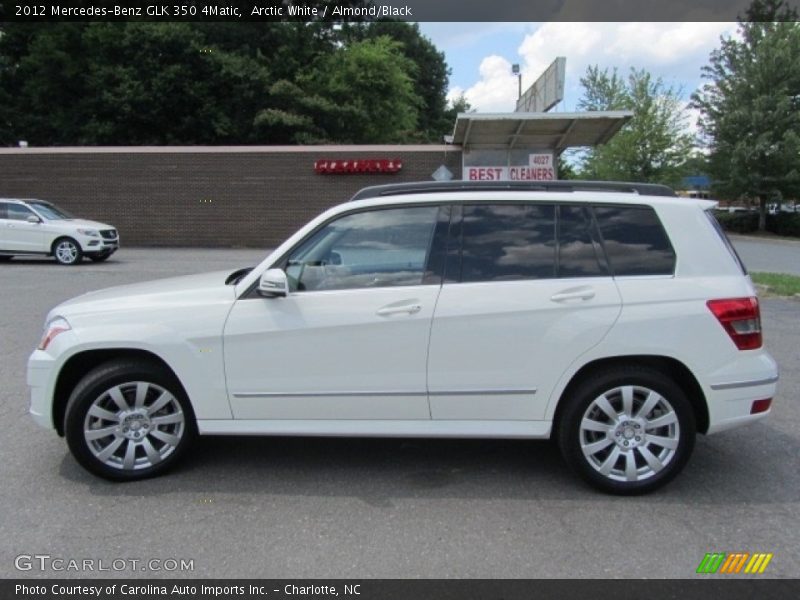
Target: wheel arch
{"x":58,"y":238}
{"x":671,"y":367}
{"x":79,"y":364}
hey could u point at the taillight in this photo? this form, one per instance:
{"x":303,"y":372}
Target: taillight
{"x":760,"y":406}
{"x":741,"y":318}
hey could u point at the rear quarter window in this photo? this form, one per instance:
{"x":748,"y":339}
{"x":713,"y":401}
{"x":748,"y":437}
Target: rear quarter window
{"x":726,"y":241}
{"x":635,"y":241}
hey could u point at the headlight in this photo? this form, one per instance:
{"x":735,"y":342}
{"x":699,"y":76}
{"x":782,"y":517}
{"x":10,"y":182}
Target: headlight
{"x":89,"y":232}
{"x":51,"y":330}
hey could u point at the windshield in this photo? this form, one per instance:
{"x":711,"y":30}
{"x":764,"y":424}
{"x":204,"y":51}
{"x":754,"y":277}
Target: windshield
{"x":50,"y":211}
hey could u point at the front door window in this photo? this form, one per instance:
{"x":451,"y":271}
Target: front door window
{"x":379,"y":248}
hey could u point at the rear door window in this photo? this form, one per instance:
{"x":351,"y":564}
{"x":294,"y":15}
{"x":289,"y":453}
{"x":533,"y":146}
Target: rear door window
{"x":635,"y":241}
{"x":507,"y":242}
{"x":579,"y":250}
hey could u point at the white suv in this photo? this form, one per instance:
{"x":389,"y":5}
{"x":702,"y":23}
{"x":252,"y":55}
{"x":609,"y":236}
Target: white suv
{"x":39,"y":227}
{"x":613,"y":317}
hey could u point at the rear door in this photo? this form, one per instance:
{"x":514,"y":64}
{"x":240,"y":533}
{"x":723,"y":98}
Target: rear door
{"x":526,"y":292}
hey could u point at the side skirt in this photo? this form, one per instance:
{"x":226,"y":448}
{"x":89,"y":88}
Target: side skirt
{"x":366,"y":428}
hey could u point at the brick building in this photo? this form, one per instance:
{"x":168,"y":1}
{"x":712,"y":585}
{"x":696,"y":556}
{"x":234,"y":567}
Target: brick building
{"x":244,"y":196}
{"x":255,"y":196}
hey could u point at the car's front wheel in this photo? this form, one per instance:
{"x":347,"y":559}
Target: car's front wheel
{"x":128,"y":420}
{"x":628,"y":430}
{"x":67,"y":251}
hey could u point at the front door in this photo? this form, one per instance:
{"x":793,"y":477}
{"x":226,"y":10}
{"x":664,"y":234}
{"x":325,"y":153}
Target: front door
{"x":350,"y":340}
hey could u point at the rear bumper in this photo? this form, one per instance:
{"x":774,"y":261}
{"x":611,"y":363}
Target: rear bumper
{"x":733,"y":389}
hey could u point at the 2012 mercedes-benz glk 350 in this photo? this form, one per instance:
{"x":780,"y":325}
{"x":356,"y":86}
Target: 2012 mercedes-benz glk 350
{"x":615,"y":318}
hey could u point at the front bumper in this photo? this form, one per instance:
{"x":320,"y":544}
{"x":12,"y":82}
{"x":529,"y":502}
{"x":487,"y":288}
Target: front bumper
{"x":99,"y":246}
{"x":40,"y":382}
{"x":106,"y":243}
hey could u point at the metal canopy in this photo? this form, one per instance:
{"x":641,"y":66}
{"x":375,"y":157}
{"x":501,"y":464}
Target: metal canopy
{"x":545,"y":131}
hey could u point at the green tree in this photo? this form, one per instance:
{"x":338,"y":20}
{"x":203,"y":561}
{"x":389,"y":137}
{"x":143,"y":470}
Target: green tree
{"x":457,"y":105}
{"x":125,"y":83}
{"x":750,"y":107}
{"x":653,"y":146}
{"x":565,"y":169}
{"x":42,"y":76}
{"x":429,"y":77}
{"x":163,"y":83}
{"x":372,"y":83}
{"x":220,"y":83}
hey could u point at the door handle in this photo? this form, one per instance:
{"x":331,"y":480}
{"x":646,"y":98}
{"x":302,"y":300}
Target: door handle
{"x":574,"y":294}
{"x":396,"y":310}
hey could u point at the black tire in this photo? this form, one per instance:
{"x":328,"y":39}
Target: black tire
{"x":5,"y":257}
{"x":152,"y":455}
{"x":67,"y":251}
{"x":605,"y":465}
{"x":99,"y":257}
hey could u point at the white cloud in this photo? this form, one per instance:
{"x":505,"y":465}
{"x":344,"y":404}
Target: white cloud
{"x":665,"y":43}
{"x":673,"y":51}
{"x":496,"y":91}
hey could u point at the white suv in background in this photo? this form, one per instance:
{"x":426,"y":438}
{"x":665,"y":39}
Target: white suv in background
{"x":615,"y":318}
{"x":39,"y":227}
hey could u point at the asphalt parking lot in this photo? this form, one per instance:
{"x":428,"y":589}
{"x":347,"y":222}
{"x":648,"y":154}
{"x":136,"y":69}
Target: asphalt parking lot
{"x":298,"y":507}
{"x":769,"y":255}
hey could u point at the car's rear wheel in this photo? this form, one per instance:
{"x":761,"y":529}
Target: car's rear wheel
{"x":128,"y":420}
{"x":67,"y":251}
{"x":627,"y":431}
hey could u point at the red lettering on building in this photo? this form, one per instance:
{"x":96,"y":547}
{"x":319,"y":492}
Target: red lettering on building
{"x":329,"y":166}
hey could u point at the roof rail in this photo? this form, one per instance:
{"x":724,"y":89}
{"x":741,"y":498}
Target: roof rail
{"x":567,"y":185}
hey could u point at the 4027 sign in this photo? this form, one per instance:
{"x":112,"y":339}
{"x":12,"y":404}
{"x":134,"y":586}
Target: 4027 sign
{"x":333,"y":166}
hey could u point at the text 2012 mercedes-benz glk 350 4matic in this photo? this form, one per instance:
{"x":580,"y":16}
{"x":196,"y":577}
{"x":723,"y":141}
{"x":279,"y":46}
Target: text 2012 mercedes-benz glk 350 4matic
{"x":615,"y":318}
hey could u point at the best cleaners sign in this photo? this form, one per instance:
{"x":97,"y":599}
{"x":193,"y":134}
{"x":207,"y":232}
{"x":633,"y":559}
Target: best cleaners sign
{"x":540,"y":167}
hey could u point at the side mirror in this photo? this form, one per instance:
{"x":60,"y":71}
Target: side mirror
{"x":33,"y":219}
{"x":273,"y":283}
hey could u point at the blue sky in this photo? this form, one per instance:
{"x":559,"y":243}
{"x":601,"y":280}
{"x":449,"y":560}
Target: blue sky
{"x":480,"y":54}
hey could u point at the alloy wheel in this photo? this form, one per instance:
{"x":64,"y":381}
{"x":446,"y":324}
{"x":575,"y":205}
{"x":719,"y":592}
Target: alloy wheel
{"x":134,"y":425}
{"x":67,"y":252}
{"x":629,"y":433}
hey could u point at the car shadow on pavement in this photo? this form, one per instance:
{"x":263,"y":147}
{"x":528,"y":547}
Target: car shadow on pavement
{"x":726,"y":469}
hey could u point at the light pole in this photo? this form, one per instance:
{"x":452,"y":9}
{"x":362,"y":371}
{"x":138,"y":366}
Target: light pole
{"x":515,"y":70}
